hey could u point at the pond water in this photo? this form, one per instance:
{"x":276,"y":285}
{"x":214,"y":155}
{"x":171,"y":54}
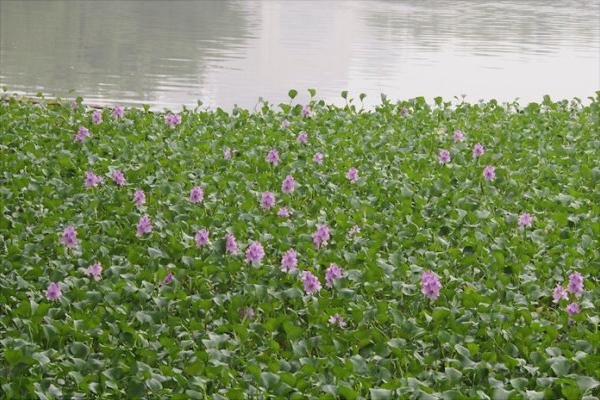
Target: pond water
{"x":168,"y":53}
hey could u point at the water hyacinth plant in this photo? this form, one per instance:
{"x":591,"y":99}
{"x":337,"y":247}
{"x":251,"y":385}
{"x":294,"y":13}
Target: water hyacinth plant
{"x":421,"y":280}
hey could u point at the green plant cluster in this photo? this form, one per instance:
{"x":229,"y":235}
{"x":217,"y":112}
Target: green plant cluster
{"x":493,"y":333}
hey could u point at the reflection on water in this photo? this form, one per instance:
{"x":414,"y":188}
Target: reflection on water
{"x":168,"y":53}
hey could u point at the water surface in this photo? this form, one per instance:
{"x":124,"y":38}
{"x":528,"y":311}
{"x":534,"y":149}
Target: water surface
{"x":168,"y":53}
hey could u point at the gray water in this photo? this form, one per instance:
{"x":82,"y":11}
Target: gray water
{"x":169,"y":53}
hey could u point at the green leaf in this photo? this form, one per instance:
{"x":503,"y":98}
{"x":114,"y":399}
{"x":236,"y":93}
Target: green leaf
{"x":155,"y":253}
{"x":269,"y":379}
{"x":380,"y":394}
{"x":79,"y":350}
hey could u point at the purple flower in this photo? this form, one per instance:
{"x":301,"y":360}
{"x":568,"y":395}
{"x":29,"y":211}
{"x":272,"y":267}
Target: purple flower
{"x":478,"y":150}
{"x":289,"y":262}
{"x":336,"y":319}
{"x":559,"y":293}
{"x":144,"y":226}
{"x":139,"y":198}
{"x":118,"y":112}
{"x":306,"y":112}
{"x":285,"y":123}
{"x":255,"y":253}
{"x":230,"y":244}
{"x":458,"y":136}
{"x":525,"y":220}
{"x":573,"y":309}
{"x":53,"y":291}
{"x":169,"y":278}
{"x":273,"y":157}
{"x":283,"y":212}
{"x":69,"y":237}
{"x":92,"y":180}
{"x":404,"y":112}
{"x":196,"y":195}
{"x":430,"y":285}
{"x":311,"y":283}
{"x":354,"y":230}
{"x":575,"y":285}
{"x":118,"y":178}
{"x":172,"y":120}
{"x":489,"y":173}
{"x":288,"y":184}
{"x":97,"y":117}
{"x":444,"y":156}
{"x":246,"y":313}
{"x":202,"y":238}
{"x":227,"y":153}
{"x":320,"y":236}
{"x":302,"y":137}
{"x":352,"y":175}
{"x":331,"y":274}
{"x":82,"y":134}
{"x":318,"y":158}
{"x":267,"y":200}
{"x":94,"y":270}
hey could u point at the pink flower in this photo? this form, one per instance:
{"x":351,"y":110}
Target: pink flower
{"x":289,"y":262}
{"x":139,"y":198}
{"x":559,"y":293}
{"x":354,"y":230}
{"x":331,"y":274}
{"x":273,"y":157}
{"x":92,"y":180}
{"x":202,"y":238}
{"x":255,"y":253}
{"x":352,"y":175}
{"x":458,"y":136}
{"x":94,"y":270}
{"x":288,"y":184}
{"x":283,"y":212}
{"x":97,"y":117}
{"x":69,"y":237}
{"x":306,"y":112}
{"x":318,"y":158}
{"x":227,"y":153}
{"x":311,"y":283}
{"x":320,"y":236}
{"x":144,"y":226}
{"x":575,"y":285}
{"x":172,"y":120}
{"x":246,"y":313}
{"x":267,"y":200}
{"x":302,"y":137}
{"x":196,"y":195}
{"x":82,"y":134}
{"x":573,"y":309}
{"x":489,"y":173}
{"x":285,"y":123}
{"x":74,"y":104}
{"x":478,"y":150}
{"x":230,"y":244}
{"x":118,"y":112}
{"x":118,"y":178}
{"x":430,"y":285}
{"x":169,"y":278}
{"x":336,"y":319}
{"x":525,"y":220}
{"x":53,"y":291}
{"x":444,"y":156}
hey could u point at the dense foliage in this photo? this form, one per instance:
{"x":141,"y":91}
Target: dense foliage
{"x":465,"y":273}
